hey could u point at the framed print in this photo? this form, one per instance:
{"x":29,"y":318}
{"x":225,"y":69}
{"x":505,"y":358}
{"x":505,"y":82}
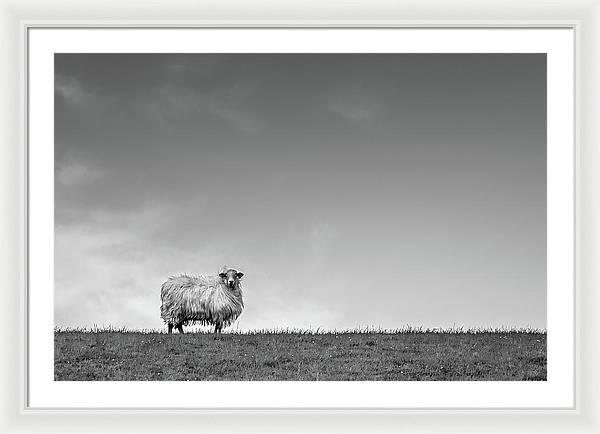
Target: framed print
{"x":239,"y":153}
{"x":364,"y":224}
{"x":164,"y":162}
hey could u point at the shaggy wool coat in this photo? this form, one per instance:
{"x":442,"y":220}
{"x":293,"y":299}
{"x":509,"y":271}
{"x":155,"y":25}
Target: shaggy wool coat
{"x":200,"y":299}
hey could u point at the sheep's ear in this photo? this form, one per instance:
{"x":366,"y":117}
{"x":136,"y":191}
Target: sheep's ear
{"x":239,"y":275}
{"x":222,"y":275}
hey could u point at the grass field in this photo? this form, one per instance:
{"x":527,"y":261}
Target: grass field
{"x":370,"y":355}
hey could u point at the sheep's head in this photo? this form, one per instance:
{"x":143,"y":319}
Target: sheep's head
{"x":230,"y":277}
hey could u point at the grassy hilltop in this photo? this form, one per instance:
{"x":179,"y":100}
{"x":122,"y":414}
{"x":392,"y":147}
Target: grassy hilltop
{"x":364,"y":356}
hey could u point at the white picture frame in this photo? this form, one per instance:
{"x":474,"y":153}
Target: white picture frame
{"x":557,"y":46}
{"x":18,"y":18}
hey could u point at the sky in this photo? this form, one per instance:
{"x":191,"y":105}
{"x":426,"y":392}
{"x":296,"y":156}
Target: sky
{"x":353,"y":190}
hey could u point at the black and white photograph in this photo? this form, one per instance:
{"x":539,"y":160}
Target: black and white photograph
{"x":300,"y":217}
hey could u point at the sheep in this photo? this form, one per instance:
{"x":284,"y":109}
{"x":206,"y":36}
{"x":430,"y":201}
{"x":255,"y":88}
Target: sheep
{"x":207,"y":300}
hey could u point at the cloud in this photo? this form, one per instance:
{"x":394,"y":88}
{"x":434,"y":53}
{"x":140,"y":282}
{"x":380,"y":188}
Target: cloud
{"x":175,"y":100}
{"x":356,"y":104}
{"x":233,"y":106}
{"x":184,"y":67}
{"x":110,"y":265}
{"x":79,"y":97}
{"x":72,"y":172}
{"x":242,"y":120}
{"x":71,"y":90}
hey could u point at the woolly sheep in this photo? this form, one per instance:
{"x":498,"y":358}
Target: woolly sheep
{"x":207,"y":300}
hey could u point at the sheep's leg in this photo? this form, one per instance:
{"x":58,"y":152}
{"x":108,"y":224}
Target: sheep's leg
{"x":170,"y":327}
{"x":218,"y":328}
{"x":180,"y":328}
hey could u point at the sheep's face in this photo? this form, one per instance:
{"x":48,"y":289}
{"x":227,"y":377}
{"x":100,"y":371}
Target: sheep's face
{"x":231,"y":278}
